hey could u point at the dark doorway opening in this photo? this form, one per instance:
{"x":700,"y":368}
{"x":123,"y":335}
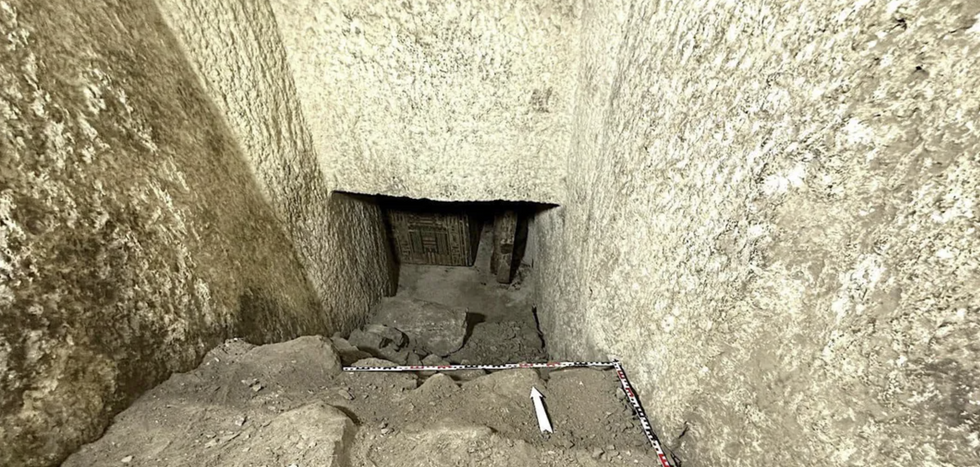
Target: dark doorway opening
{"x":450,"y":233}
{"x":465,"y":277}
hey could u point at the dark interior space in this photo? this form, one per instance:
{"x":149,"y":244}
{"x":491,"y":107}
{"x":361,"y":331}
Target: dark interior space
{"x":464,"y":279}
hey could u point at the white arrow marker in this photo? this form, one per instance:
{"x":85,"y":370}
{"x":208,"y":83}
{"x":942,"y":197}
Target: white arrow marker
{"x":543,"y":423}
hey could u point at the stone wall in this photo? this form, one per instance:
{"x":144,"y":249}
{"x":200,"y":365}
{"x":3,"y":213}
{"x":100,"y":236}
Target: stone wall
{"x":771,"y":217}
{"x":769,"y":211}
{"x":133,"y":234}
{"x":456,"y":100}
{"x":237,"y":53}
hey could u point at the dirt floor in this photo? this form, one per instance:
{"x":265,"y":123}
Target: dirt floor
{"x":501,"y":321}
{"x":291,"y":405}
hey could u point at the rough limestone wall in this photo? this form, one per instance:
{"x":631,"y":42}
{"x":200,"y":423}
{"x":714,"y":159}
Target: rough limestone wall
{"x":455,"y":100}
{"x":772,"y":218}
{"x":561,"y":241}
{"x":132,"y":235}
{"x":240,"y":61}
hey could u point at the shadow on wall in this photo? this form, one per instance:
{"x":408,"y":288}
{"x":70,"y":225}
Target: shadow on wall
{"x":358,"y":237}
{"x":359,"y":253}
{"x":136,"y":233}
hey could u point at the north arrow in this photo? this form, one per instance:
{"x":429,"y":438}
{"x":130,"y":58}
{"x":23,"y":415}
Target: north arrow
{"x":543,"y":423}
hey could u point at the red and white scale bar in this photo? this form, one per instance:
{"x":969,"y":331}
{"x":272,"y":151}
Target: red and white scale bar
{"x":620,"y":373}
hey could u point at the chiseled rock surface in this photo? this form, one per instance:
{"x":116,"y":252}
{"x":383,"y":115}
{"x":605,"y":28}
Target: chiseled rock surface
{"x":769,"y":210}
{"x":772,"y":220}
{"x":457,"y":100}
{"x":133,"y":234}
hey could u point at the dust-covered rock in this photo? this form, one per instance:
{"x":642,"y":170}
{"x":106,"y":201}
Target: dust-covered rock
{"x":314,"y":434}
{"x":399,"y":356}
{"x":391,"y":336}
{"x":211,"y":416}
{"x":375,"y":362}
{"x":437,"y":387}
{"x":375,"y":340}
{"x":366,"y":341}
{"x":305,"y":360}
{"x":435,"y":328}
{"x":348,"y":352}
